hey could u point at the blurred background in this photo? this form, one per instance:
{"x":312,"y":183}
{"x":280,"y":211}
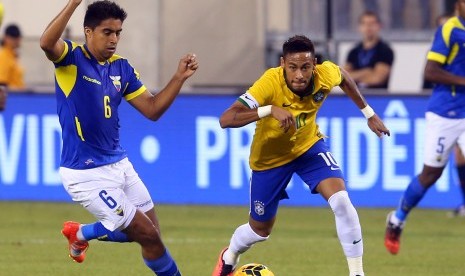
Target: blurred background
{"x":186,"y":157}
{"x":235,"y":40}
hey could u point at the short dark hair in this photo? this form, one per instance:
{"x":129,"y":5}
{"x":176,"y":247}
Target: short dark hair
{"x":13,"y":30}
{"x":369,"y":14}
{"x":103,"y":10}
{"x":298,"y":44}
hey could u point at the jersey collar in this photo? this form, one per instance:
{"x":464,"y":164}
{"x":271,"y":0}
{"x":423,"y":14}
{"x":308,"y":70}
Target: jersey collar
{"x":89,"y":55}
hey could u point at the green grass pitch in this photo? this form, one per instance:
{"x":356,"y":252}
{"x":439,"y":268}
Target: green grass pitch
{"x":303,"y":243}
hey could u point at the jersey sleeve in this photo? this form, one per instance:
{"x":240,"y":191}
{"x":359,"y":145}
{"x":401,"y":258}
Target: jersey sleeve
{"x":330,"y":74}
{"x":263,"y":89}
{"x":440,"y":48}
{"x":133,"y":87}
{"x":66,"y":57}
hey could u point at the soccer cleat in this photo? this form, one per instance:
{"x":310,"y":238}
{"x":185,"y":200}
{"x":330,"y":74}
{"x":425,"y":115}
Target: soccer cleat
{"x":77,"y":248}
{"x":392,"y":237}
{"x":222,"y":269}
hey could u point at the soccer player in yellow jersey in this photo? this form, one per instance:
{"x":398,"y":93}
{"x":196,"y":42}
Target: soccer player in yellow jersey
{"x":284,"y":102}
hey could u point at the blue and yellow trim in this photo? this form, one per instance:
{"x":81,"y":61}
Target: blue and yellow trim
{"x":136,"y":93}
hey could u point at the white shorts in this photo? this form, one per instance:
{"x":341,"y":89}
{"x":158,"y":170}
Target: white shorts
{"x":441,"y":134}
{"x":112,"y":193}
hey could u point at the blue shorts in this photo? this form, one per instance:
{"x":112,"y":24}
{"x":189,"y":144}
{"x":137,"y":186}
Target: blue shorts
{"x":268,"y":187}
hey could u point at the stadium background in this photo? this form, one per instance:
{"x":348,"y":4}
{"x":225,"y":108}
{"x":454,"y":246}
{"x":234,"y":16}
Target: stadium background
{"x":185,"y":158}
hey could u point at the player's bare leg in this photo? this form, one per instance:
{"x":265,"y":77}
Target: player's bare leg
{"x":144,"y":230}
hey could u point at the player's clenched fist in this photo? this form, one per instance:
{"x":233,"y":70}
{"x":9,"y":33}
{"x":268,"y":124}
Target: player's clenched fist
{"x":188,"y":65}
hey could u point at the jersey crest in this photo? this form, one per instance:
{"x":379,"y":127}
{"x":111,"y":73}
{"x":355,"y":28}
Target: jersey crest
{"x":116,"y":82}
{"x":318,"y":96}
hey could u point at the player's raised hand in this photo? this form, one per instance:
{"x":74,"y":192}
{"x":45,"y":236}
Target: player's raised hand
{"x":377,"y":126}
{"x":285,"y":118}
{"x":187,"y":66}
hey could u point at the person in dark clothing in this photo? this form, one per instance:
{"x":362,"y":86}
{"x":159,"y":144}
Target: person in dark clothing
{"x":369,"y":63}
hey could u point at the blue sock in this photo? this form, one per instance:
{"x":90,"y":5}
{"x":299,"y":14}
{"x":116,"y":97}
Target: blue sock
{"x":414,"y":193}
{"x":461,"y":173}
{"x":163,"y":266}
{"x":98,"y":231}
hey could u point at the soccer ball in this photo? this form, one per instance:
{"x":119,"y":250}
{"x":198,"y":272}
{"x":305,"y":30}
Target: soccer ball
{"x":253,"y":269}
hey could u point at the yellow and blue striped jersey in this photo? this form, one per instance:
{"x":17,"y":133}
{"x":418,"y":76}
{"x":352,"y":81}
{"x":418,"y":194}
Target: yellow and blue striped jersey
{"x":448,"y":48}
{"x":271,"y":146}
{"x":88,"y":95}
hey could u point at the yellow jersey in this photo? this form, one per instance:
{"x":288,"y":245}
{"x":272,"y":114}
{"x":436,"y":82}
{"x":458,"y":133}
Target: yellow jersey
{"x":271,"y":146}
{"x":11,"y":72}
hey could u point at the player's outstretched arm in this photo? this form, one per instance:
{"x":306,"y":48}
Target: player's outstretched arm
{"x":374,"y":122}
{"x":238,"y":115}
{"x":153,"y":106}
{"x":50,"y":41}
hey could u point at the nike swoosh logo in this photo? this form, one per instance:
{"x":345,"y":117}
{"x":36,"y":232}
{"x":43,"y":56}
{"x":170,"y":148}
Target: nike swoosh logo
{"x":335,"y":168}
{"x":286,"y":105}
{"x":355,"y":242}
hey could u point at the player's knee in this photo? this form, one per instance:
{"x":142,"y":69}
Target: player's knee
{"x":428,"y":177}
{"x":143,"y":232}
{"x":262,"y":229}
{"x":341,"y":204}
{"x":149,"y":236}
{"x":263,"y":233}
{"x":256,"y":234}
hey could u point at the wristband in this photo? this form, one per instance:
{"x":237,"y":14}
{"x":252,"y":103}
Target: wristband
{"x":264,"y":111}
{"x":368,"y":112}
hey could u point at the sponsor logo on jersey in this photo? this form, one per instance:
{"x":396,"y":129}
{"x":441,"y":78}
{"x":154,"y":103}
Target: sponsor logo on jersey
{"x":89,"y":161}
{"x":91,"y":80}
{"x":144,"y":204}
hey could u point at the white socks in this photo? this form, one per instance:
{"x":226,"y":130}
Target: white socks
{"x":347,"y":226}
{"x":348,"y":230}
{"x":355,"y":266}
{"x":242,"y":239}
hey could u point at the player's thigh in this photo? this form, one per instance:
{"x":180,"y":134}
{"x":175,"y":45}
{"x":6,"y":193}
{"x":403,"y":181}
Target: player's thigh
{"x":100,"y":191}
{"x":460,"y":150}
{"x":441,"y":134}
{"x":267,"y":188}
{"x":135,"y":189}
{"x":316,"y":166}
